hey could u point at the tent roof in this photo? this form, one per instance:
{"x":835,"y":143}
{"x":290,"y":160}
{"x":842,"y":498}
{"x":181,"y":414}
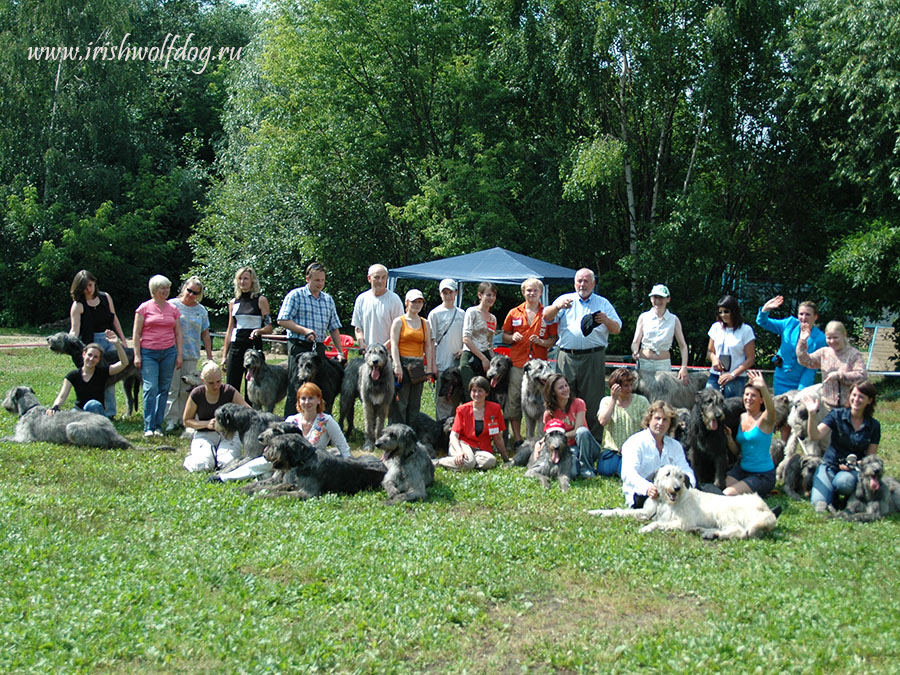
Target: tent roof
{"x":494,"y":264}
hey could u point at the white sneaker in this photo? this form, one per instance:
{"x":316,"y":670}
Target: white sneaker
{"x":148,"y":434}
{"x":157,"y":432}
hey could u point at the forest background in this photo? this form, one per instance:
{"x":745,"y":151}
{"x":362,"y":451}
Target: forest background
{"x":713,"y":146}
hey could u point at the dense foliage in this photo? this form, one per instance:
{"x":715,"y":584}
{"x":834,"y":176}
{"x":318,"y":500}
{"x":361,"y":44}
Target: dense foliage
{"x":714,"y":146}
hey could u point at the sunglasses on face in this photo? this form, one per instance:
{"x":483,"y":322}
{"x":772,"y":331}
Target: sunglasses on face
{"x":192,"y":291}
{"x":724,"y":311}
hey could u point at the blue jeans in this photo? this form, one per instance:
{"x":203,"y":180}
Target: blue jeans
{"x":157,"y":366}
{"x":733,"y":388}
{"x":591,"y":454}
{"x":94,"y":406}
{"x":110,"y":403}
{"x":827,"y":482}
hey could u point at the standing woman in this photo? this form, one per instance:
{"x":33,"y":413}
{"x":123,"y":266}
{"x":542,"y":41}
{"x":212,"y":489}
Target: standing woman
{"x":731,"y":350}
{"x":479,"y":326}
{"x":413,"y":354}
{"x":477,"y":427}
{"x":248,"y":320}
{"x":157,"y":350}
{"x":853,"y":431}
{"x":194,"y":331}
{"x":91,"y":315}
{"x":755,"y":472}
{"x":653,"y":335}
{"x":842,"y":365}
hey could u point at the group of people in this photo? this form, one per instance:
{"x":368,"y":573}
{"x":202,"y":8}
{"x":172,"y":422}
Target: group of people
{"x":610,"y":434}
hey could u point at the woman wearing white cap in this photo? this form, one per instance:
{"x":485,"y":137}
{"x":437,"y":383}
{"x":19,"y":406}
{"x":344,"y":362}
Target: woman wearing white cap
{"x":413,"y":353}
{"x":656,"y":328}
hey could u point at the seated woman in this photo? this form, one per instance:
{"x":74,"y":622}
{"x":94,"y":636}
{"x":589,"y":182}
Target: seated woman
{"x":647,"y":451}
{"x":89,"y":381}
{"x":756,"y":470}
{"x":209,"y":449}
{"x":317,"y":427}
{"x":842,"y":365}
{"x":853,"y":431}
{"x":571,"y":411}
{"x":478,"y":425}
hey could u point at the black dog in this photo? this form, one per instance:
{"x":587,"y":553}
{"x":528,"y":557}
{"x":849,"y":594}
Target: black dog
{"x":308,"y":473}
{"x":130,"y":377}
{"x":705,"y":439}
{"x":450,"y":387}
{"x":430,"y":433}
{"x":323,"y":372}
{"x":349,"y":395}
{"x":409,"y":468}
{"x":498,"y":375}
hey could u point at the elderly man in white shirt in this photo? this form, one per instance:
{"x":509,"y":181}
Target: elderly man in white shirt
{"x":375,"y":310}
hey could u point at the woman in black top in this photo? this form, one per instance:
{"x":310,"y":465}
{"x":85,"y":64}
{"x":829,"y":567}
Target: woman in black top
{"x":89,"y":381}
{"x":249,"y":318}
{"x":91,"y":315}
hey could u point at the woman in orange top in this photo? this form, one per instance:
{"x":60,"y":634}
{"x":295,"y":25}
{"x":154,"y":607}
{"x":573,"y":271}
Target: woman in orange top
{"x":413,"y":353}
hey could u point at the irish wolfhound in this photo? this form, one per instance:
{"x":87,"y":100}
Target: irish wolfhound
{"x":409,"y":468}
{"x":535,"y":373}
{"x":349,"y":395}
{"x":705,"y":442}
{"x":72,"y":427}
{"x":266,"y":384}
{"x":799,"y":441}
{"x":450,"y":387}
{"x":430,"y":433}
{"x":498,"y":375}
{"x":308,"y":473}
{"x":662,"y":386}
{"x":876,"y":495}
{"x":325,"y":373}
{"x":130,"y":377}
{"x":376,"y":389}
{"x":680,"y":507}
{"x":232,"y":419}
{"x":555,"y":460}
{"x":798,"y":475}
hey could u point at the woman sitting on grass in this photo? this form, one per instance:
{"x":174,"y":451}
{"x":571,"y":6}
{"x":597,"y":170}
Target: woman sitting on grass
{"x":571,"y":411}
{"x":478,"y":425}
{"x":756,"y":470}
{"x":209,"y":449}
{"x":89,"y":381}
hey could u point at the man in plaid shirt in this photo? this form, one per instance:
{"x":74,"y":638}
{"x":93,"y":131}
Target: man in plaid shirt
{"x":309,"y":315}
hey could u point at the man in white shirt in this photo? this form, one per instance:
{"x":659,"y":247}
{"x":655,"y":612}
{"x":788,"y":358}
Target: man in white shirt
{"x":375,"y":310}
{"x":446,"y":326}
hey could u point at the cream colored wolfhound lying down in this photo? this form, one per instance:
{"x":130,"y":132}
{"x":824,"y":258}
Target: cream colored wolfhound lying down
{"x":680,"y":507}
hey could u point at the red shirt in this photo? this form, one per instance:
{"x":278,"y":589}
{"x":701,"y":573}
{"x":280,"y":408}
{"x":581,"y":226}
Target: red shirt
{"x":568,"y":419}
{"x":517,"y":322}
{"x":464,"y":425}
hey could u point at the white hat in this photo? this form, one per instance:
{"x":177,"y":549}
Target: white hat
{"x":448,"y":283}
{"x":661,"y":290}
{"x":414,"y":294}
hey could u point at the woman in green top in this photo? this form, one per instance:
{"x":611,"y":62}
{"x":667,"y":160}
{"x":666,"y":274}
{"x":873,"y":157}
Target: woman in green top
{"x":620,"y":413}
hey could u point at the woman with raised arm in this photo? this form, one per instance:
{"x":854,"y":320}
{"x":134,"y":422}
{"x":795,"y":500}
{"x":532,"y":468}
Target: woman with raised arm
{"x":756,"y":470}
{"x":842,"y":365}
{"x":89,"y":381}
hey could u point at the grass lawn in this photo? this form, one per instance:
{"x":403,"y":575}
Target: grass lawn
{"x":120,"y":561}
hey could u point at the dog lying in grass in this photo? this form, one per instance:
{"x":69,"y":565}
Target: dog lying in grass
{"x":553,"y":460}
{"x":409,"y":467}
{"x":876,"y":495}
{"x":680,"y":507}
{"x":308,"y":473}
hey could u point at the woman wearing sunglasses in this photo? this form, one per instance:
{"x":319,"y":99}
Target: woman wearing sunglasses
{"x":731,"y":350}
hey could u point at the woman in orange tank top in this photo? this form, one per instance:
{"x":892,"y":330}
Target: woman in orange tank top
{"x":413,"y":353}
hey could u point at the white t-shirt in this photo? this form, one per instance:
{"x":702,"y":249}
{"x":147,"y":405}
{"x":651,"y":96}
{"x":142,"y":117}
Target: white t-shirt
{"x":373,"y":314}
{"x":446,"y":328}
{"x":730,"y":343}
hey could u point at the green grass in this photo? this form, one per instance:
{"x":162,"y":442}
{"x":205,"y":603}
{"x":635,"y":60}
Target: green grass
{"x":120,"y":561}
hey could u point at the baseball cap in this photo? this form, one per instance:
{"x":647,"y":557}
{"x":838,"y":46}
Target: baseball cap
{"x":414,"y":294}
{"x":661,"y":290}
{"x":448,"y":283}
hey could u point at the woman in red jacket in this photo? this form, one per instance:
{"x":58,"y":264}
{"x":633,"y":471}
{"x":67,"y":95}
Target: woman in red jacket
{"x":477,"y":429}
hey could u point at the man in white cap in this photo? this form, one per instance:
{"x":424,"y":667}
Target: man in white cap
{"x":654,"y":333}
{"x":446,"y":321}
{"x":375,"y":310}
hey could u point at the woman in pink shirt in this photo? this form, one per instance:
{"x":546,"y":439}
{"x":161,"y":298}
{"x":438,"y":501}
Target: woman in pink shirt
{"x":157,"y":350}
{"x":842,"y":366}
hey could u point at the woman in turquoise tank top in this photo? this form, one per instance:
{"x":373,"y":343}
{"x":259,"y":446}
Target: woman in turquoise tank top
{"x":756,"y":470}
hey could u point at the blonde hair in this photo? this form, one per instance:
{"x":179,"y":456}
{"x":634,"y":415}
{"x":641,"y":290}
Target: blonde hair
{"x":210,"y":368}
{"x":254,"y":282}
{"x":664,"y":409}
{"x":532,"y":281}
{"x":192,"y":280}
{"x":836,"y":326}
{"x":158,"y":281}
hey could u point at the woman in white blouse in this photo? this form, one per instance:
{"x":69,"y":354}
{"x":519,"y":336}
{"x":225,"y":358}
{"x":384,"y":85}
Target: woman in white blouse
{"x":731,"y":350}
{"x":654,"y":333}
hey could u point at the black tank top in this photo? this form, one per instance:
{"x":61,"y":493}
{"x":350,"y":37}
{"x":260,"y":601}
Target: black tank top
{"x":95,"y":319}
{"x":247,"y":317}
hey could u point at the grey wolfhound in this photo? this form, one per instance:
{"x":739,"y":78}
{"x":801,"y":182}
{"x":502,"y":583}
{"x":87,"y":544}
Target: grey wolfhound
{"x":680,"y":507}
{"x":555,"y":460}
{"x":266,"y":384}
{"x":662,"y":386}
{"x":876,"y":495}
{"x":63,"y":343}
{"x":232,"y":419}
{"x":535,"y":373}
{"x":376,"y":389}
{"x":409,"y":468}
{"x":74,"y":427}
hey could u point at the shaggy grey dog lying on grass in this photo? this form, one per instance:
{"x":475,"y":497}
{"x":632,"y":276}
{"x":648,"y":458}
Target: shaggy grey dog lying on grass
{"x":555,"y":460}
{"x":409,"y":468}
{"x":876,"y":495}
{"x":67,"y":427}
{"x":680,"y":507}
